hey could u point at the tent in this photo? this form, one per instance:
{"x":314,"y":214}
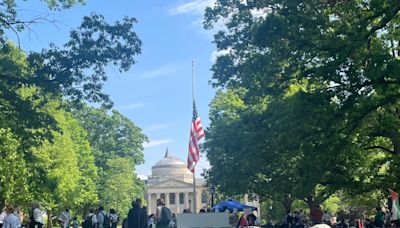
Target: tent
{"x":231,"y":205}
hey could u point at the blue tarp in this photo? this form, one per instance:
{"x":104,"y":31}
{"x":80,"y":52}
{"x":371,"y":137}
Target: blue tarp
{"x":230,"y":205}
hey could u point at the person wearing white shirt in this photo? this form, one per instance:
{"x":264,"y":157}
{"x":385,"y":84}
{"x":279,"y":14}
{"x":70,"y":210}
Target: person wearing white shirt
{"x":64,"y":218}
{"x":95,"y":222}
{"x":114,"y":219}
{"x":100,"y":217}
{"x":36,"y":218}
{"x":2,"y":216}
{"x":11,"y":220}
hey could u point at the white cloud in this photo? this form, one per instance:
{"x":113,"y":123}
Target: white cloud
{"x":133,"y":105}
{"x":193,"y":7}
{"x":215,"y":54}
{"x":157,"y":127}
{"x":154,"y":143}
{"x":165,"y":70}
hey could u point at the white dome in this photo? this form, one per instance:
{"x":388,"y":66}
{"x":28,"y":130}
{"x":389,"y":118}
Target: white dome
{"x":169,"y":161}
{"x":170,"y":167}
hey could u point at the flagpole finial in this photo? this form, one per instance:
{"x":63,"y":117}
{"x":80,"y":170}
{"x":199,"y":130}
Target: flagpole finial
{"x":166,"y":153}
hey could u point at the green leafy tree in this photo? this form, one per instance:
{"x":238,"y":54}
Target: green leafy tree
{"x":70,"y":172}
{"x":120,"y":185}
{"x":14,"y":173}
{"x":345,"y":56}
{"x":117,"y":146}
{"x":76,"y":72}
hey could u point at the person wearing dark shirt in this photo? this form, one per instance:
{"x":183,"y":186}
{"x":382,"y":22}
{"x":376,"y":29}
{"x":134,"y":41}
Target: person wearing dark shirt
{"x":136,"y":217}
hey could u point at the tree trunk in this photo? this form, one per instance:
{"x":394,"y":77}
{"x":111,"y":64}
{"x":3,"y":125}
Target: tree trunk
{"x":49,"y":219}
{"x":287,"y":203}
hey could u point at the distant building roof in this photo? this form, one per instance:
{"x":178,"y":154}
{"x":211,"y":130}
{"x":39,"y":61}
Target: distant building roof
{"x":169,"y":161}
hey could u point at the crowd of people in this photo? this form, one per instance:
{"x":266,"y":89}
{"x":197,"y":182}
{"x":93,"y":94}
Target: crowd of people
{"x":95,"y":218}
{"x":138,"y":218}
{"x":298,"y":219}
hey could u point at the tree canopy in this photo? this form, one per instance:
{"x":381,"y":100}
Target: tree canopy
{"x":56,"y":149}
{"x":308,"y":97}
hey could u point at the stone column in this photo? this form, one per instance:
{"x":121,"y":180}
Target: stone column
{"x":167,"y":199}
{"x":198,"y":200}
{"x":177,"y":204}
{"x":149,"y":203}
{"x":186,"y":201}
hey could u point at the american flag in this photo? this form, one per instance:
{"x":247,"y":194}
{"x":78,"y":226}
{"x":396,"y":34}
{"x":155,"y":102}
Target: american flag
{"x":196,"y":134}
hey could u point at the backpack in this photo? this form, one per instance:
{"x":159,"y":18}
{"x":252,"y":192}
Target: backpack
{"x":87,"y":223}
{"x":165,"y":216}
{"x":106,"y":221}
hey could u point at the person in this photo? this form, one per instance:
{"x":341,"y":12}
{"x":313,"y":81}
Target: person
{"x":379,"y":220}
{"x":289,"y":219}
{"x":103,"y":220}
{"x":342,"y":223}
{"x":316,"y":215}
{"x":269,"y":224}
{"x":36,"y":217}
{"x":136,"y":215}
{"x":300,"y":224}
{"x":11,"y":220}
{"x":158,"y":210}
{"x":352,"y":223}
{"x":251,"y":219}
{"x":64,"y":218}
{"x":165,"y":215}
{"x":88,"y":220}
{"x":326,"y":218}
{"x":172,"y":223}
{"x":114,"y":219}
{"x":2,"y":216}
{"x":75,"y":223}
{"x":242,"y":222}
{"x":95,"y":220}
{"x":151,"y":222}
{"x":301,"y":215}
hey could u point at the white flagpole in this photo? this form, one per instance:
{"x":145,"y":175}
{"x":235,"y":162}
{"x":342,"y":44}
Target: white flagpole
{"x":194,"y":170}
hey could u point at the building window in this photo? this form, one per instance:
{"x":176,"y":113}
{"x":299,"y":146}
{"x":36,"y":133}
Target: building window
{"x":181,"y":198}
{"x":172,"y":198}
{"x":204,"y":197}
{"x":162,"y":196}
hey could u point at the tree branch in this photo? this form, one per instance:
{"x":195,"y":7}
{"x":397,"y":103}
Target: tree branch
{"x":380,"y":148}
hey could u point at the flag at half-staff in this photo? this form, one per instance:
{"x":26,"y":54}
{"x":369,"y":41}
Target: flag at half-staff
{"x":196,"y":134}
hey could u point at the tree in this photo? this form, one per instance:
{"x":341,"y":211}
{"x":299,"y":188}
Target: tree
{"x":77,"y":72}
{"x":347,"y":49}
{"x":112,"y":135}
{"x":14,"y":174}
{"x":117,"y":146}
{"x":70,"y":173}
{"x":120,"y":185}
{"x":344,"y":56}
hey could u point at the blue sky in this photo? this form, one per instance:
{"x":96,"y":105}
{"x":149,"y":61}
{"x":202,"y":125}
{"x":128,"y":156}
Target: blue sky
{"x":156,"y":93}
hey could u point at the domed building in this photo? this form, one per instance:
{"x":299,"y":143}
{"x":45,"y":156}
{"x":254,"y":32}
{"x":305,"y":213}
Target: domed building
{"x":172,"y":181}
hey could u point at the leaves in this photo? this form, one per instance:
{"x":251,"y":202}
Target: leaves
{"x":319,"y":103}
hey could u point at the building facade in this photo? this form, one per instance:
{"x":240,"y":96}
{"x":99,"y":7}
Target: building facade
{"x":171,"y":180}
